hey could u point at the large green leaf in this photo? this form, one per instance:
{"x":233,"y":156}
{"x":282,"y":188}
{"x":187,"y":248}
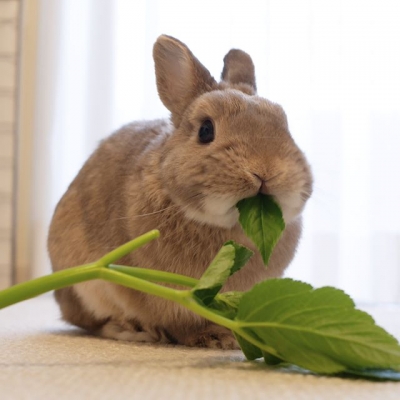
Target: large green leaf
{"x":317,"y":329}
{"x":262,"y":221}
{"x":229,"y":259}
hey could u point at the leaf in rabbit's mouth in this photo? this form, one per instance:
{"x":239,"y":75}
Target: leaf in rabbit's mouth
{"x":262,"y":221}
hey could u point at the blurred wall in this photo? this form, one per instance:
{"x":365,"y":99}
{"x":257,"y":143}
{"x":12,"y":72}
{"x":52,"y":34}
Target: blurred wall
{"x":9,"y":24}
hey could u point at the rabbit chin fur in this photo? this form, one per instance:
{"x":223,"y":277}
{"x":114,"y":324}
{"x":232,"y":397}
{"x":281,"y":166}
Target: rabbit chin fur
{"x":218,"y":210}
{"x":157,"y":174}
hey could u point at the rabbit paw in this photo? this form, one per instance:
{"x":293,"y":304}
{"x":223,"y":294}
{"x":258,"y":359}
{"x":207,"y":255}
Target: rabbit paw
{"x":214,"y":337}
{"x":124,"y":331}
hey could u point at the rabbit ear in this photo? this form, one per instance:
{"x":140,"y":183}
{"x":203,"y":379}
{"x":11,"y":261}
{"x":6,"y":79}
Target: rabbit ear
{"x":180,"y":76}
{"x":239,"y":68}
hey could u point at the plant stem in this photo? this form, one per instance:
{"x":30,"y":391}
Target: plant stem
{"x":132,"y":277}
{"x":124,"y":276}
{"x":126,"y":248}
{"x":155,"y":275}
{"x":71,"y":276}
{"x":57,"y":280}
{"x":183,"y":297}
{"x":142,"y":285}
{"x":191,"y":304}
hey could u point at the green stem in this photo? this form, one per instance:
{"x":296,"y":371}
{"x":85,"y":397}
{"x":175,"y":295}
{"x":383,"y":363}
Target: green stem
{"x":132,"y":277}
{"x":191,"y":304}
{"x":142,"y":285}
{"x":155,"y":275}
{"x":183,"y":297}
{"x":57,"y":280}
{"x":126,"y":248}
{"x":70,"y":276}
{"x":124,"y":276}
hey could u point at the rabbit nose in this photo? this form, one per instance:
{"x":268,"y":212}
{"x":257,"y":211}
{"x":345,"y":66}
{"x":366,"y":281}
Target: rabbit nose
{"x":263,"y":185}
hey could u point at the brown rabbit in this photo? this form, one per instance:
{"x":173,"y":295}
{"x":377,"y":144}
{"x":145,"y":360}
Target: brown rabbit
{"x":183,"y":177}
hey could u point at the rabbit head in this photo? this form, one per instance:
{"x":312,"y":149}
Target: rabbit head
{"x":228,"y":143}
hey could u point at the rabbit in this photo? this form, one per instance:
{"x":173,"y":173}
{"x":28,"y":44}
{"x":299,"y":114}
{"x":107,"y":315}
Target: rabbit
{"x":183,"y":176}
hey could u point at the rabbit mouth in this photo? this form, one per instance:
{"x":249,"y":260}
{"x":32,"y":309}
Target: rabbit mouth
{"x":221,"y":211}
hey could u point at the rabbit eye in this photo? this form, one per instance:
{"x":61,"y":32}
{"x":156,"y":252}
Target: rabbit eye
{"x":206,"y":131}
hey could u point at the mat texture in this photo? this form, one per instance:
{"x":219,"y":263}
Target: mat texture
{"x":43,"y":358}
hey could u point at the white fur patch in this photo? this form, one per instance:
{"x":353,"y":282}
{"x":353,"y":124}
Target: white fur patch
{"x":101,"y":300}
{"x":291,"y":205}
{"x":94,"y":297}
{"x":218,"y":211}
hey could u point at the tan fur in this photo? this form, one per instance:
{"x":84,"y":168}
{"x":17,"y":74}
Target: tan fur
{"x":157,"y":175}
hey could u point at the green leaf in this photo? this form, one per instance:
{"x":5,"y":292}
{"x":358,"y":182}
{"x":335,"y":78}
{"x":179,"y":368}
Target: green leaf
{"x":229,"y":259}
{"x":242,"y":255}
{"x":270,"y":359}
{"x":230,"y":300}
{"x":317,"y":329}
{"x":226,"y":304}
{"x":251,"y":351}
{"x":262,"y":221}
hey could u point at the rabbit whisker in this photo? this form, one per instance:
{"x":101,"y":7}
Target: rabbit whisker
{"x":150,"y":213}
